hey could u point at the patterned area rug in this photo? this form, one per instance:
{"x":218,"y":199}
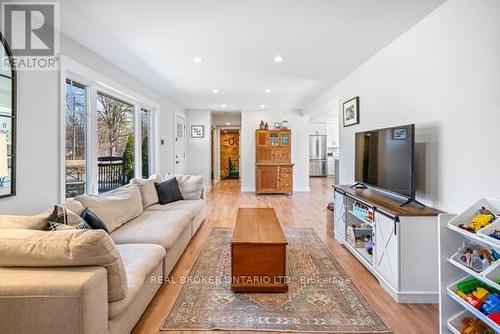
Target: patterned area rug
{"x":321,"y":297}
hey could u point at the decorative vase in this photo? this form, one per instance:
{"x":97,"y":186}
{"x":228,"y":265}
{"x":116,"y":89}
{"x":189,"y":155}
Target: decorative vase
{"x":266,"y":127}
{"x":262,"y":125}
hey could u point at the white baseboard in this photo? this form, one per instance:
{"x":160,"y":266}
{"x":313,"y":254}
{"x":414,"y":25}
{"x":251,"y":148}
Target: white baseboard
{"x":247,"y":189}
{"x":301,"y":189}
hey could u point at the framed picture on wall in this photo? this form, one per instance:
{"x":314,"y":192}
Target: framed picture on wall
{"x":197,"y":131}
{"x":351,"y":111}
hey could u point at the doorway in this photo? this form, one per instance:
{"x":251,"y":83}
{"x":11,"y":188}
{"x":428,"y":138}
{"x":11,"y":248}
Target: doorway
{"x":226,"y":128}
{"x":229,"y":140}
{"x":180,"y":146}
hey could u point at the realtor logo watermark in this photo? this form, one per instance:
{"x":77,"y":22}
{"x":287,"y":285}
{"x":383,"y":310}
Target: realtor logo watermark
{"x":32,"y":31}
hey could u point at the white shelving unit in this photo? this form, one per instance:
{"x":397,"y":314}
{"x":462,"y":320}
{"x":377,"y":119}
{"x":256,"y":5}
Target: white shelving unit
{"x":452,"y":308}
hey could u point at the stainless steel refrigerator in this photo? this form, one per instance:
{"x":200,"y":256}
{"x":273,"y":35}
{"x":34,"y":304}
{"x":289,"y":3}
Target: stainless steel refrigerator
{"x":318,"y":165}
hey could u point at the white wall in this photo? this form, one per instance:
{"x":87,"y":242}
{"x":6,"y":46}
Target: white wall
{"x":299,"y":124}
{"x":38,"y":130}
{"x":444,"y":76}
{"x":234,"y":118}
{"x":317,"y":129}
{"x":332,"y":131}
{"x":38,"y":168}
{"x":198,"y":156}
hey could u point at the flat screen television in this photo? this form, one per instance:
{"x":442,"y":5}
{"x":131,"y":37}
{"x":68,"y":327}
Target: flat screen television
{"x":385,"y":159}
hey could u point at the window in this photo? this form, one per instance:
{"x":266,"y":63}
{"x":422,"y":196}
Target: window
{"x":7,"y":123}
{"x":116,"y":142}
{"x":108,"y":138}
{"x":145,"y":141}
{"x":76,"y":139}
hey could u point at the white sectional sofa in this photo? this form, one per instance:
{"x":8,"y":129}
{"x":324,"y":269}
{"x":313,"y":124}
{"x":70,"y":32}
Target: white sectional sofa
{"x":45,"y":285}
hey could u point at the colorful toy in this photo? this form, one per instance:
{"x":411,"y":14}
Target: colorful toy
{"x":495,"y":317}
{"x":474,"y":326}
{"x":369,"y":244}
{"x":495,"y":234}
{"x":483,"y":218}
{"x":495,"y":254}
{"x":477,"y":259}
{"x":473,"y":301}
{"x":469,"y":285}
{"x":491,"y":305}
{"x":481,"y":294}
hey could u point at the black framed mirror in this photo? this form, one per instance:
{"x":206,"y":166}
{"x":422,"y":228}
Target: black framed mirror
{"x":7,"y":121}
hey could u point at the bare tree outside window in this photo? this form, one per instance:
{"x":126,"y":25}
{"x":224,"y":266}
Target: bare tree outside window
{"x":115,"y":129}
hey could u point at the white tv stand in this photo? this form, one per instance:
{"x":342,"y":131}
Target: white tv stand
{"x":405,"y":253}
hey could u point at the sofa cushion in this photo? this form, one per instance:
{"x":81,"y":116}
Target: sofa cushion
{"x":139,"y":260}
{"x":69,"y":248}
{"x":191,"y":185}
{"x":168,"y":191}
{"x":191,"y":206}
{"x":115,"y":208}
{"x":153,"y":227}
{"x":38,"y":222}
{"x":147,"y":188}
{"x":72,"y":205}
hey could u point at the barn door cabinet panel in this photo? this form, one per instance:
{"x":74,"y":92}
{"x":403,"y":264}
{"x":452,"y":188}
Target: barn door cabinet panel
{"x":339,"y":216}
{"x":273,"y":169}
{"x":387,"y":248}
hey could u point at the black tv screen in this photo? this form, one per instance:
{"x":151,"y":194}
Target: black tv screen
{"x":384,"y":159}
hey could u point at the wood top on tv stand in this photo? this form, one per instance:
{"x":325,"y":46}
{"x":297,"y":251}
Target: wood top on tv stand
{"x":386,"y":203}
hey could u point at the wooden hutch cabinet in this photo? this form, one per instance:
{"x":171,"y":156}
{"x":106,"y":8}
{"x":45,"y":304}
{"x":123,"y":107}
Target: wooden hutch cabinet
{"x":273,"y":168}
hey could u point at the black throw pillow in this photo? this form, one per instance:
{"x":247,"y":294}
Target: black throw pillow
{"x":93,"y":220}
{"x":168,"y":191}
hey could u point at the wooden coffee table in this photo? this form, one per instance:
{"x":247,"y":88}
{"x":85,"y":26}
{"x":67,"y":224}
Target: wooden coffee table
{"x":258,"y":252}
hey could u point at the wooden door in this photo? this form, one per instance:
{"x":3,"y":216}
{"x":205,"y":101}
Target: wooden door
{"x":264,"y":154}
{"x":262,"y":138}
{"x":286,"y":179}
{"x":281,"y":155}
{"x":386,"y":248}
{"x":267,"y":179}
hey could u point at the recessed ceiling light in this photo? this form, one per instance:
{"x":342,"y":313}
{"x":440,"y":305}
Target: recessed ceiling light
{"x":215,"y":91}
{"x":268,"y":91}
{"x":223,"y":106}
{"x":197,"y":60}
{"x":228,"y":123}
{"x":278,"y":59}
{"x":262,"y":106}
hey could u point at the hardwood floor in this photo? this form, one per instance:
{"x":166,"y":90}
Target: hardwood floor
{"x":299,"y":210}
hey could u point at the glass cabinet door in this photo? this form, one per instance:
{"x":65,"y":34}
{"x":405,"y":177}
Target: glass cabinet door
{"x":285,"y":139}
{"x":274,"y":138}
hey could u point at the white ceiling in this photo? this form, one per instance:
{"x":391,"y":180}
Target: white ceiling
{"x":322,"y":41}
